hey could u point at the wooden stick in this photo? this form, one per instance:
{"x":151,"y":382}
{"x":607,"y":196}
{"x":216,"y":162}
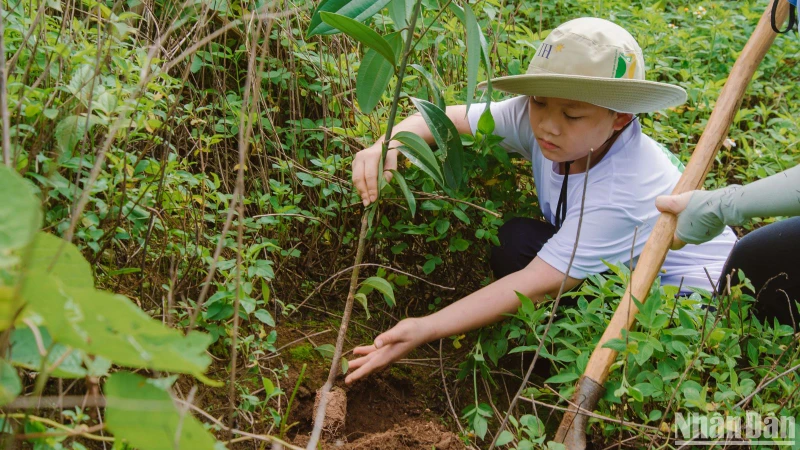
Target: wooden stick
{"x":572,"y":429}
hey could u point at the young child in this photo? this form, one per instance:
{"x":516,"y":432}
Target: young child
{"x":581,"y":92}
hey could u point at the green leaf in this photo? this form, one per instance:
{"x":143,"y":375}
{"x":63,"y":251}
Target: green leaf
{"x":25,"y":353}
{"x":111,"y":326}
{"x":360,"y":10}
{"x":412,"y":202}
{"x":70,"y":130}
{"x":400,"y":12}
{"x":326,"y":350}
{"x":420,"y":154}
{"x":361,"y":33}
{"x":486,"y":123}
{"x":146,"y":417}
{"x":374,"y":75}
{"x":473,"y":51}
{"x":269,"y":387}
{"x":447,"y":138}
{"x":433,"y":86}
{"x":616,"y":344}
{"x":265,"y":317}
{"x":71,"y":268}
{"x":362,"y":298}
{"x":382,"y":286}
{"x":563,"y":378}
{"x":527,"y":307}
{"x":10,"y":386}
{"x":504,"y":438}
{"x":20,"y":211}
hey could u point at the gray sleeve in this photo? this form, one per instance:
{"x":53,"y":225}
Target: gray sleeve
{"x":510,"y":122}
{"x":709,"y":211}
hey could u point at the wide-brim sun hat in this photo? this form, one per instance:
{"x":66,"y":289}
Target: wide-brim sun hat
{"x":594,"y":61}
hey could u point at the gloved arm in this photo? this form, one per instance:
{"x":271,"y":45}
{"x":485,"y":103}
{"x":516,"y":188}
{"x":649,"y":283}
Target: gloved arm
{"x":708,"y":212}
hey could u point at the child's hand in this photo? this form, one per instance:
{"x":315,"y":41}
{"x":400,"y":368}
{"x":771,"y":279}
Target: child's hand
{"x":365,"y":171}
{"x":388,"y":348}
{"x":674,"y":204}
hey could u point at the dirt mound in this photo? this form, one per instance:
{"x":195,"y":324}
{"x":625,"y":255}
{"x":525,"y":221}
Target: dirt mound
{"x":415,"y":434}
{"x":412,"y":435}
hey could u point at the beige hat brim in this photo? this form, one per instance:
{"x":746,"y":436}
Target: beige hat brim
{"x":618,"y":94}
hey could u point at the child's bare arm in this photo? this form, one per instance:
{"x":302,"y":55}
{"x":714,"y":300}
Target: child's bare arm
{"x":486,"y":306}
{"x":365,"y":164}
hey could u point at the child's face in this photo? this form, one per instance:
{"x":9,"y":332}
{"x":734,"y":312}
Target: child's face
{"x":567,"y":130}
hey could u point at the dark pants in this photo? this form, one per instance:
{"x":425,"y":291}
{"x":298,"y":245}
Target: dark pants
{"x":768,"y":256}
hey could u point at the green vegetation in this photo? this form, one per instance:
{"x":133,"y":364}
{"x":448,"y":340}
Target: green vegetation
{"x":176,"y":187}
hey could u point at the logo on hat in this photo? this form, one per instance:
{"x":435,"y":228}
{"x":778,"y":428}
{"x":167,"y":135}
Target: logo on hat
{"x":626,"y":65}
{"x":544,"y":50}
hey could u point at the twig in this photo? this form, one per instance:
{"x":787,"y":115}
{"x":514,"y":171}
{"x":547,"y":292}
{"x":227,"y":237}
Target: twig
{"x":58,"y":425}
{"x":447,"y":392}
{"x":337,"y":354}
{"x":80,"y":430}
{"x":317,"y":289}
{"x":247,"y":436}
{"x":450,"y":199}
{"x":4,"y":94}
{"x":592,"y":414}
{"x":37,"y":336}
{"x":522,"y":386}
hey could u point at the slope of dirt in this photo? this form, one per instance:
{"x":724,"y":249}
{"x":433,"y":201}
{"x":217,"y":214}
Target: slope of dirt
{"x":409,"y":434}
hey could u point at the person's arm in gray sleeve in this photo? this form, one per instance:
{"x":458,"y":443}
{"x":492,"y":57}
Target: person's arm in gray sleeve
{"x":708,"y":212}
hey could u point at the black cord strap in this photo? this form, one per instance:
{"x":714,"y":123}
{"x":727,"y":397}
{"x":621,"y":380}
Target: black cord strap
{"x":792,"y":18}
{"x":561,"y":209}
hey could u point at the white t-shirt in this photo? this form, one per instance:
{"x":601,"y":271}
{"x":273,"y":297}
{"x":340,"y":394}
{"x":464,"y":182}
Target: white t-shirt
{"x":620,"y":197}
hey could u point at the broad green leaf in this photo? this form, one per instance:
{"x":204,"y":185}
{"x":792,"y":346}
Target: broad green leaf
{"x":473,"y":51}
{"x":486,"y":123}
{"x":412,"y":202}
{"x":269,"y":386}
{"x":563,"y":378}
{"x":361,"y":33}
{"x":504,"y":438}
{"x":265,"y":317}
{"x":71,"y":268}
{"x":326,"y":350}
{"x":20,"y":211}
{"x":447,"y":138}
{"x":400,"y":11}
{"x":25,"y":353}
{"x":527,"y":307}
{"x":382,"y":286}
{"x":374,"y":75}
{"x":10,"y":386}
{"x":145,"y":416}
{"x":360,"y":10}
{"x":420,"y":154}
{"x":111,"y":326}
{"x":362,"y":298}
{"x":70,"y":130}
{"x":433,"y":86}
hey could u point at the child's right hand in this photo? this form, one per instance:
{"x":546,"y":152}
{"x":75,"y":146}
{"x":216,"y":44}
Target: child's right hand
{"x":390,"y":346}
{"x":365,"y":171}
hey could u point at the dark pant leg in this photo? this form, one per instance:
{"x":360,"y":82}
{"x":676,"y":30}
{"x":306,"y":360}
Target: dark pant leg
{"x":769,"y":258}
{"x":521,"y":239}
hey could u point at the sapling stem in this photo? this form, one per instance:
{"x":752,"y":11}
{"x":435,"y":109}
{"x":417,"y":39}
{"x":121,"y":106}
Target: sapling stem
{"x":319,"y":418}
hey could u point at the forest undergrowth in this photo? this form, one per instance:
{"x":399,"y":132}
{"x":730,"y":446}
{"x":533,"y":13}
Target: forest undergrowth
{"x":178,"y":227}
